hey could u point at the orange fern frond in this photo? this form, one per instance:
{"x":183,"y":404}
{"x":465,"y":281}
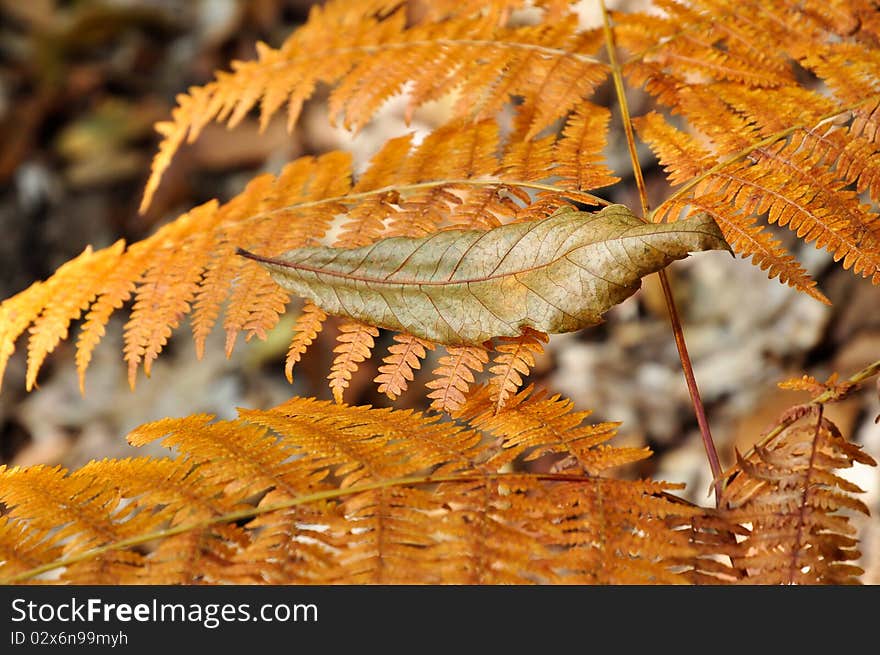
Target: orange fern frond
{"x":531,"y":159}
{"x":364,"y":223}
{"x":221,"y":269}
{"x":708,"y":41}
{"x":578,"y":153}
{"x":533,"y":424}
{"x":16,"y":313}
{"x":680,"y":156}
{"x":356,"y":340}
{"x":41,"y":493}
{"x":314,"y":492}
{"x":776,"y":148}
{"x":454,"y":375}
{"x":231,"y":456}
{"x":486,"y":532}
{"x":168,"y":287}
{"x":798,"y":508}
{"x":683,"y":160}
{"x":516,"y":357}
{"x":406,"y":189}
{"x":397,"y":371}
{"x":501,"y":10}
{"x":471,"y":152}
{"x":255,"y":302}
{"x":85,"y":272}
{"x":750,"y":239}
{"x":116,"y":288}
{"x":477,"y":208}
{"x":811,"y":202}
{"x":356,"y":444}
{"x":573,"y":158}
{"x":108,"y":497}
{"x":789,"y":185}
{"x":23,"y":548}
{"x":368,"y":53}
{"x":308,"y":324}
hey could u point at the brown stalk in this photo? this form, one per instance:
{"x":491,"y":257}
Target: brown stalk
{"x":675,"y":322}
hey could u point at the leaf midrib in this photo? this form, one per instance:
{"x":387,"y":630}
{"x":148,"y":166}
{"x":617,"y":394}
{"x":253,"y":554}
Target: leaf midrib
{"x":448,"y":282}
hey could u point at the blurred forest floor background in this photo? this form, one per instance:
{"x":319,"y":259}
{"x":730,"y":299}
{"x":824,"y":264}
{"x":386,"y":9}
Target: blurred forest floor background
{"x":81,"y":84}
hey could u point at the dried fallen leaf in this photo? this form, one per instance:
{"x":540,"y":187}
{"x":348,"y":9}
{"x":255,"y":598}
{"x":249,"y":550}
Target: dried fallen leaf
{"x":463,"y":287}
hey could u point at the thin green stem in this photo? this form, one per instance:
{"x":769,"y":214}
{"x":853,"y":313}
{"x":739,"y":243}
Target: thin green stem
{"x":674,"y":320}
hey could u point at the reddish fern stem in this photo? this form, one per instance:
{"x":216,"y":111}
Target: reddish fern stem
{"x":678,"y":333}
{"x":802,"y":508}
{"x":693,"y":390}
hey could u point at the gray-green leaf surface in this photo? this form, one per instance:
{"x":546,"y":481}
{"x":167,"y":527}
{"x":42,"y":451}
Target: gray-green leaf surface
{"x":463,"y":287}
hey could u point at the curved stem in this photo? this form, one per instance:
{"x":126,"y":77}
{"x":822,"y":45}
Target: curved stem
{"x":675,"y":322}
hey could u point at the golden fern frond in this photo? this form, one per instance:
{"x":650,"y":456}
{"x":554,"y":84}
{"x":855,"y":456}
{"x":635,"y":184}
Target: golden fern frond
{"x":167,"y":287}
{"x":358,"y":444}
{"x":308,"y":324}
{"x":454,"y":375}
{"x":105,"y":501}
{"x":578,"y":153}
{"x":254,"y":303}
{"x":113,"y":290}
{"x":798,"y":509}
{"x":501,"y":9}
{"x":41,"y":493}
{"x":750,"y":239}
{"x":471,"y":151}
{"x":533,"y":424}
{"x":683,"y":160}
{"x":311,"y":491}
{"x":368,"y":53}
{"x":356,"y":342}
{"x":50,"y":327}
{"x":705,"y":40}
{"x":16,"y":314}
{"x":515,"y":358}
{"x":221,"y":270}
{"x":516,"y":529}
{"x":770,"y":144}
{"x":681,"y":157}
{"x":833,"y":389}
{"x":230,"y":455}
{"x":22,"y":548}
{"x":189,"y":265}
{"x":403,"y":357}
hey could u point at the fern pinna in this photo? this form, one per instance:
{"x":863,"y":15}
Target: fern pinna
{"x":764,"y":112}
